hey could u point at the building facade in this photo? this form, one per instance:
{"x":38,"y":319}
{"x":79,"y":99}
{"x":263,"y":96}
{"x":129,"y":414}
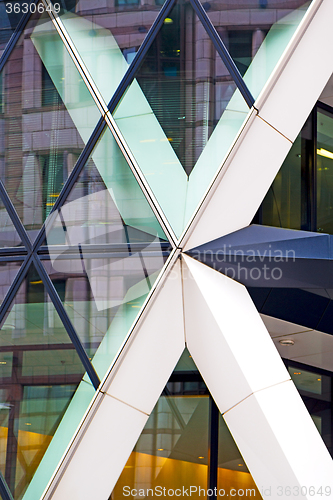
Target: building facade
{"x":166,"y":220}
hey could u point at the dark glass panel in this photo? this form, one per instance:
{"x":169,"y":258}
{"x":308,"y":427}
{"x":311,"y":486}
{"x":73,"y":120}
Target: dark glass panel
{"x":47,"y":115}
{"x":255,"y":33}
{"x":315,"y":388}
{"x":282,"y":206}
{"x":39,"y":373}
{"x":324,"y":172}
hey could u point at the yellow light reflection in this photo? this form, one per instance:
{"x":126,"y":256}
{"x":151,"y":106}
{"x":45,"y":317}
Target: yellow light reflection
{"x":325,"y":153}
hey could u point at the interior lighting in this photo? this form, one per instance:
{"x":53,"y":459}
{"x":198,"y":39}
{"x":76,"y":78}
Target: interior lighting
{"x":201,"y":458}
{"x":3,"y":362}
{"x":324,"y":152}
{"x":319,"y":379}
{"x":160,"y":449}
{"x":168,"y":20}
{"x":286,"y":342}
{"x":297,"y":373}
{"x":240,"y":465}
{"x":27,"y":423}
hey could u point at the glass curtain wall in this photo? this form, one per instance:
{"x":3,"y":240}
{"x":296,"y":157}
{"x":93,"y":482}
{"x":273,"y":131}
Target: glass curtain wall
{"x":185,"y":444}
{"x":301,"y":195}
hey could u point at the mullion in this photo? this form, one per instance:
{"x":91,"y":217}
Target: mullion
{"x":15,"y":36}
{"x":213,"y":447}
{"x":53,"y":294}
{"x":223,"y":52}
{"x":100,"y":127}
{"x":4,"y":490}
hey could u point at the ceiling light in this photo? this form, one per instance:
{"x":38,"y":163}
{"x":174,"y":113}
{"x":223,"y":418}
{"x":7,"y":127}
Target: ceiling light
{"x":286,"y":342}
{"x":201,"y":458}
{"x":160,"y":449}
{"x":324,"y":152}
{"x":168,"y":20}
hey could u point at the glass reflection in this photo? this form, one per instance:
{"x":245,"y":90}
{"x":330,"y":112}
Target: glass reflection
{"x":105,"y":249}
{"x":315,"y":388}
{"x":324,"y":171}
{"x":256,"y":33}
{"x":108,"y":36}
{"x":173,"y":449}
{"x":282,"y":206}
{"x":39,"y":373}
{"x":47,"y":116}
{"x":9,"y":19}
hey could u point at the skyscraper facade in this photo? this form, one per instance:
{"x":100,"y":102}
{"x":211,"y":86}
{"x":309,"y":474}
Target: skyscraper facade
{"x":166,"y":214}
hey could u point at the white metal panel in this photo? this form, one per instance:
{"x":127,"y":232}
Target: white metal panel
{"x":241,"y":185}
{"x":102,"y":452}
{"x":311,"y":348}
{"x":280,"y":444}
{"x":299,"y":85}
{"x":226,"y":336}
{"x":154,"y":350}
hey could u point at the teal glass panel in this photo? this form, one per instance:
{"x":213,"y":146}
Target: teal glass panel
{"x":181,"y":114}
{"x":107,"y":36}
{"x":256,"y":33}
{"x":39,"y":373}
{"x":106,"y":249}
{"x":324,"y":172}
{"x":47,"y":116}
{"x":282,"y":206}
{"x":71,"y":419}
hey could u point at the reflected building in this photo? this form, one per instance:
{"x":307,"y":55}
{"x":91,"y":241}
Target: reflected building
{"x":120,"y":120}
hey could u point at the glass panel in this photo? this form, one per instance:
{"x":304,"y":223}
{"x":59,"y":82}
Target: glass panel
{"x":181,"y":113}
{"x":108,"y":35}
{"x":282,"y":206}
{"x":8,"y":234}
{"x":8,"y":271}
{"x":256,"y":33}
{"x":324,"y":172}
{"x":48,"y":115}
{"x":316,"y":391}
{"x":233,"y":477}
{"x":10,"y":17}
{"x":39,"y":373}
{"x":173,"y":449}
{"x":106,"y":249}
